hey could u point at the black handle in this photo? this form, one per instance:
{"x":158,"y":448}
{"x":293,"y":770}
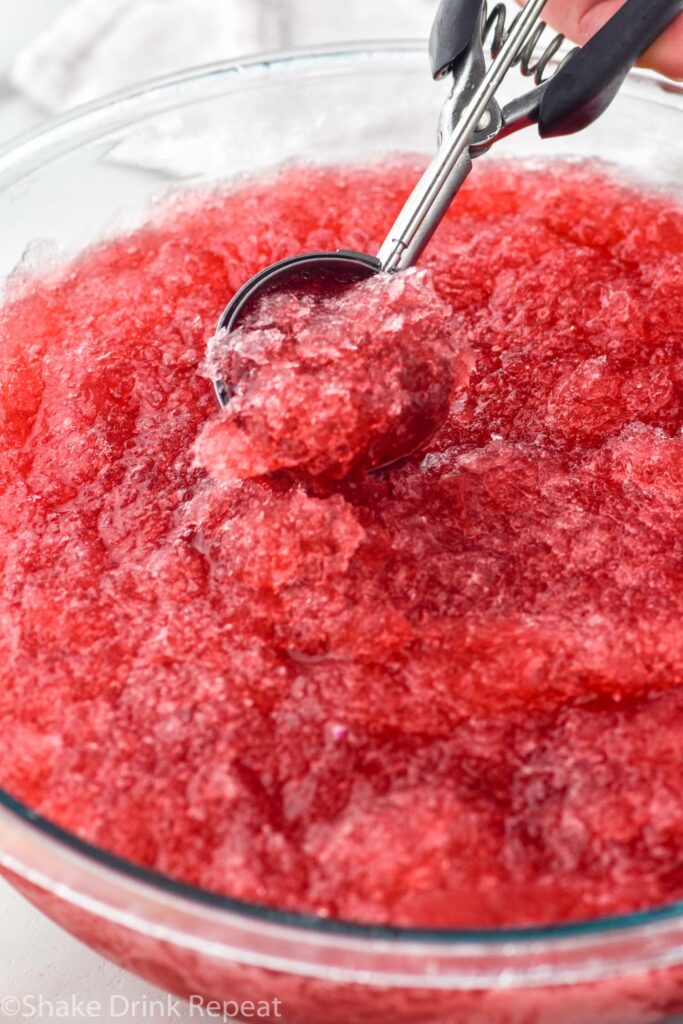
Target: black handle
{"x":453,"y":28}
{"x":583,"y":89}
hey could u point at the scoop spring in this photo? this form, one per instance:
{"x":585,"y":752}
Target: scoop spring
{"x":495,"y":31}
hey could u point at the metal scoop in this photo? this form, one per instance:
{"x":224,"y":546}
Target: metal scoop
{"x":578,"y":91}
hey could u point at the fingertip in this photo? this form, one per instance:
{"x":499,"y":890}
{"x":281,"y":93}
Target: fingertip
{"x":581,"y":19}
{"x":666,"y":55}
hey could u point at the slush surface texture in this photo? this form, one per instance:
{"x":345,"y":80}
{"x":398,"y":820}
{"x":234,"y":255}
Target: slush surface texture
{"x":330,"y":380}
{"x":447,"y":694}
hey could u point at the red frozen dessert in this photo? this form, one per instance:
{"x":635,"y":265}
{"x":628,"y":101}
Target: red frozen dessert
{"x":333,"y":383}
{"x":450,"y":693}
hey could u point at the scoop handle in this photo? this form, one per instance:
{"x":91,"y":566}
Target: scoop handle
{"x":583,"y":89}
{"x":454,"y":25}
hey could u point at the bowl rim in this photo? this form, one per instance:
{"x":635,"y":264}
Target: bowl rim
{"x":61,"y":134}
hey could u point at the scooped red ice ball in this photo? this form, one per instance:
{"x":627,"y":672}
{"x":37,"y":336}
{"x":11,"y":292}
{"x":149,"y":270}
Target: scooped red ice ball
{"x":327,"y":385}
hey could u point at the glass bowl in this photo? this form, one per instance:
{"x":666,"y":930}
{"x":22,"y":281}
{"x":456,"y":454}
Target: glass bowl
{"x":98,"y":171}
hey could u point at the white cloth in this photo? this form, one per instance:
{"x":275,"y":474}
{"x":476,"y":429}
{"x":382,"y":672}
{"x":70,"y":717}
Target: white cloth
{"x":98,"y":47}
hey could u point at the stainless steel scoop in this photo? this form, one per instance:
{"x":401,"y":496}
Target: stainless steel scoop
{"x":579,"y":90}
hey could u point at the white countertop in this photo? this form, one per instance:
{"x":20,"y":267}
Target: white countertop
{"x":39,"y":961}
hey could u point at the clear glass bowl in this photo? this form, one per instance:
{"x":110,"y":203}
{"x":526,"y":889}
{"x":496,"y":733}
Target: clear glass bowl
{"x":97,"y":172}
